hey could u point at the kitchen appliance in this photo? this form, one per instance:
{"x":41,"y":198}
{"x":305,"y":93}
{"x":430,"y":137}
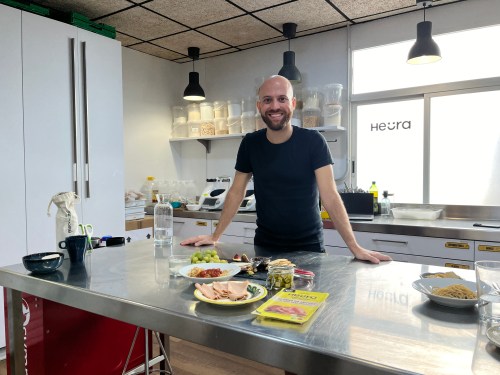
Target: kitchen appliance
{"x":359,"y":206}
{"x":214,"y":199}
{"x":249,"y":203}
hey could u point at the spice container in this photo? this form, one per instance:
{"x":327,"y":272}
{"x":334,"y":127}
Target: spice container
{"x":206,"y":111}
{"x":193,"y":112}
{"x":207,"y":128}
{"x":194,"y":128}
{"x":279,"y":277}
{"x":234,"y":125}
{"x":247,"y":123}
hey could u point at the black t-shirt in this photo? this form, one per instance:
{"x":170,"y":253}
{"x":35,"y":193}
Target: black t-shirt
{"x":285,"y":187}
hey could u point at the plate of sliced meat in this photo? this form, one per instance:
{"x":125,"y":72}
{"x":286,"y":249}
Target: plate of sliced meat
{"x":230,"y":293}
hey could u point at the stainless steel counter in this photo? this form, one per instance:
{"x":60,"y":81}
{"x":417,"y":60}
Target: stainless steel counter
{"x":373,"y":321}
{"x":442,"y":228}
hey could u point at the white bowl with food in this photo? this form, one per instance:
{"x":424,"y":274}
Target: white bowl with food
{"x":448,"y":292}
{"x":193,"y":207}
{"x":209,"y":272}
{"x":439,"y":275}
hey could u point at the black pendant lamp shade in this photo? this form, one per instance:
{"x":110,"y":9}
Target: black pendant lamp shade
{"x":193,"y":91}
{"x":425,"y":50}
{"x":289,"y":70}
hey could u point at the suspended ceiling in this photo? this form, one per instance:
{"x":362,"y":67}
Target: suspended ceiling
{"x":166,"y":28}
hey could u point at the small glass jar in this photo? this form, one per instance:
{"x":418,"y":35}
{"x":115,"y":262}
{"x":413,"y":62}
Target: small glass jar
{"x":280,"y":277}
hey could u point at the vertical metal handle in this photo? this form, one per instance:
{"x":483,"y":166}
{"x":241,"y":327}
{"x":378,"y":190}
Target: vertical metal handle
{"x":75,"y":118}
{"x":86,"y":120}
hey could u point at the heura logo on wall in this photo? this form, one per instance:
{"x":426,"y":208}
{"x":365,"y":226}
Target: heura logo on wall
{"x":391,"y":125}
{"x":27,"y":317}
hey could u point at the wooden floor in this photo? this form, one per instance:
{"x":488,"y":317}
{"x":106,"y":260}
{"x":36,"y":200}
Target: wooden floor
{"x":191,"y":359}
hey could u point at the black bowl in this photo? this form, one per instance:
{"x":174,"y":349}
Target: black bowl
{"x":36,"y":264}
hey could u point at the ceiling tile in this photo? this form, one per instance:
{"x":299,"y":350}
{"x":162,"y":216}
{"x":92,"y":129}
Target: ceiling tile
{"x":143,"y":24}
{"x":89,"y":8}
{"x":262,"y":42}
{"x":181,"y":42}
{"x":126,"y":40}
{"x":307,"y":14}
{"x":218,"y":53}
{"x":151,"y":49}
{"x":254,"y":5}
{"x":194,"y":13}
{"x":363,"y":8}
{"x":241,"y":30}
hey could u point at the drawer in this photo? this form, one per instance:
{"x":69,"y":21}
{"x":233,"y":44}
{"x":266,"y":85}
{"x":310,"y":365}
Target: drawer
{"x":138,"y":234}
{"x":333,"y":238}
{"x":487,"y":250}
{"x":238,"y":228}
{"x":187,"y":227}
{"x":446,"y":248}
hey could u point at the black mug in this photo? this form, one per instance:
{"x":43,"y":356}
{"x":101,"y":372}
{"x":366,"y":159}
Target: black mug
{"x":76,"y":246}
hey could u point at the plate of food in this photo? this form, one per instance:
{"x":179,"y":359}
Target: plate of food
{"x":493,"y":334}
{"x":448,"y":292}
{"x":440,"y":275}
{"x":209,"y":272}
{"x":230,"y":293}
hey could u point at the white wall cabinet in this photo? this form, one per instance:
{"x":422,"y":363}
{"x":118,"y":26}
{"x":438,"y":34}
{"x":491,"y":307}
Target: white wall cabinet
{"x":73,"y":127}
{"x":12,"y":215}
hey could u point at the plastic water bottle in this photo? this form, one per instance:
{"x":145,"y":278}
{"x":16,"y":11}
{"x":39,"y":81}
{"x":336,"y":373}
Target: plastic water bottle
{"x":149,"y":189}
{"x":163,"y":221}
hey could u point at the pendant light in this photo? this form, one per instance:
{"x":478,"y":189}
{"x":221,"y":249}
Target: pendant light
{"x":193,"y":91}
{"x":289,"y":70}
{"x":425,"y":50}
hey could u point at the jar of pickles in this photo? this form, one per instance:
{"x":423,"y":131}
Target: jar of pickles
{"x":280,"y":277}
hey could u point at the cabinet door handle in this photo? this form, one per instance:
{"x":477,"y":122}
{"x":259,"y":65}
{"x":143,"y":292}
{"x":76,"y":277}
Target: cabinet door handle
{"x":391,"y":241}
{"x":75,"y":119}
{"x":86,"y":120}
{"x":201,"y":223}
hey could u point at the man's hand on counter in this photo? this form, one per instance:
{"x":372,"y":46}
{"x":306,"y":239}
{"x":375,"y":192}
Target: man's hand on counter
{"x":199,"y":240}
{"x":370,"y":255}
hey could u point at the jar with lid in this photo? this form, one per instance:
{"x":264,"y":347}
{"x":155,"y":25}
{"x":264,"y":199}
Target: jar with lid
{"x":259,"y":123}
{"x":179,"y":114}
{"x":311,"y":111}
{"x":207,"y":128}
{"x":279,"y":277}
{"x":193,"y":112}
{"x":206,"y":111}
{"x":220,"y":126}
{"x":233,"y":108}
{"x":234,"y":125}
{"x":194,"y":128}
{"x":332,"y":108}
{"x":248,"y":106}
{"x":179,"y":130}
{"x":247,"y":123}
{"x":220,"y":109}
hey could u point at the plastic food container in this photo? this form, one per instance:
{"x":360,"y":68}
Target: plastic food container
{"x":194,"y":128}
{"x":332,"y":114}
{"x":207,"y":128}
{"x":220,"y":126}
{"x":333,"y":92}
{"x":311,"y":118}
{"x":193,"y":112}
{"x":416,"y":213}
{"x":179,"y":114}
{"x":206,"y":111}
{"x":180,"y":130}
{"x":220,"y":109}
{"x":248,"y":106}
{"x":233,"y":108}
{"x":247,"y":124}
{"x":234,"y":125}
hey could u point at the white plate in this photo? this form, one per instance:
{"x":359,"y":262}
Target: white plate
{"x":232,"y":268}
{"x":427,"y":275}
{"x":260,"y":293}
{"x":493,"y":334}
{"x":425,"y":286}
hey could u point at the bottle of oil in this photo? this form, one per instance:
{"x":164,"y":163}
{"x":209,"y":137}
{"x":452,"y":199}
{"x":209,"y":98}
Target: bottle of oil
{"x":374,"y":190}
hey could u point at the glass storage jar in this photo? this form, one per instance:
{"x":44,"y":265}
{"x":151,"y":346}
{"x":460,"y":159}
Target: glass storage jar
{"x":280,"y":277}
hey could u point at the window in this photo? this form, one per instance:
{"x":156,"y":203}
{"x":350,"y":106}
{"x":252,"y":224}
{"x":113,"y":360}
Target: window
{"x":437,"y":144}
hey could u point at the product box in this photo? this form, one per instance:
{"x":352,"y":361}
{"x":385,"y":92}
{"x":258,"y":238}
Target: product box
{"x":295,"y":306}
{"x":27,"y":6}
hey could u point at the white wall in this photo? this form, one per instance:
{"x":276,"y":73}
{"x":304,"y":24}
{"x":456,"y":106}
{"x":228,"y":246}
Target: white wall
{"x":152,"y":86}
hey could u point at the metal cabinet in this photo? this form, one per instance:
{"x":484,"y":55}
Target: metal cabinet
{"x":334,"y":244}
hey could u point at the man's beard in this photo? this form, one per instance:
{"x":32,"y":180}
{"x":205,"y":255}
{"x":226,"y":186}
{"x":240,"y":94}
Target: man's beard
{"x":280,"y":125}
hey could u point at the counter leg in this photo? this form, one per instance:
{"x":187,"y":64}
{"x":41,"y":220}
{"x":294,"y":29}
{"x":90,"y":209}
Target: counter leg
{"x":16,"y":331}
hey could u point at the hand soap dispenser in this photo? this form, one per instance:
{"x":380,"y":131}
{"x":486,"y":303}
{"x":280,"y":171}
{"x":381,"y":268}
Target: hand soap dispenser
{"x":385,"y":204}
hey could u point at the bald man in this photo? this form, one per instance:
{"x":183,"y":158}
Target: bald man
{"x":291,"y":169}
